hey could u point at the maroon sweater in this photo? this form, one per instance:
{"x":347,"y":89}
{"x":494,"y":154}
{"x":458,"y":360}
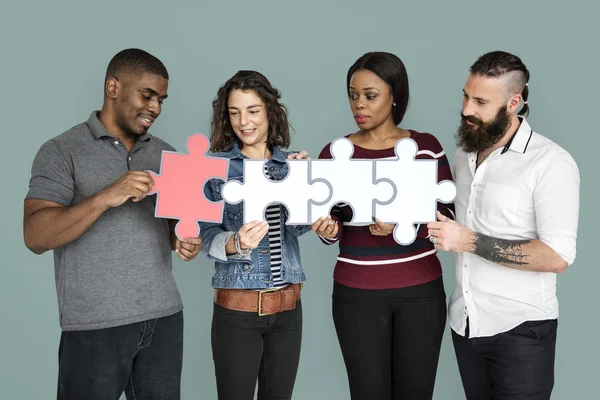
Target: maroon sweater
{"x":378,"y":262}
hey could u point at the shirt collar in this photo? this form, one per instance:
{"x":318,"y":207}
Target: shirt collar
{"x":99,"y":131}
{"x":520,"y":139}
{"x":278,"y":155}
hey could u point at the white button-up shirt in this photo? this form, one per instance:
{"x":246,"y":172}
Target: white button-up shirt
{"x":528,"y":189}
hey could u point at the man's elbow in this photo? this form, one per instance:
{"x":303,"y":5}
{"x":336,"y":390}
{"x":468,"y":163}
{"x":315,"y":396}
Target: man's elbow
{"x":36,"y":249}
{"x":560,"y":266}
{"x":553,"y":260}
{"x":34,"y":246}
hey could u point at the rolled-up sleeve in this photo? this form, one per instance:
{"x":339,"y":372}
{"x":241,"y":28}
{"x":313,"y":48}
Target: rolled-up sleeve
{"x":556,"y":200}
{"x":52,"y":176}
{"x":217,"y":251}
{"x":215,"y":236}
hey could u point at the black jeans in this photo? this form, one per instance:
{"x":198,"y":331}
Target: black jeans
{"x":518,"y":364}
{"x":390,"y":339}
{"x":247,"y":347}
{"x":143,"y":359}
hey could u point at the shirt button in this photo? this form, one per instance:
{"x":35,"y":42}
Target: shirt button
{"x":129,"y":158}
{"x":116,"y":142}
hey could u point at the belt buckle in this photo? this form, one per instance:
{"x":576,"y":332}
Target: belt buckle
{"x":260,"y":294}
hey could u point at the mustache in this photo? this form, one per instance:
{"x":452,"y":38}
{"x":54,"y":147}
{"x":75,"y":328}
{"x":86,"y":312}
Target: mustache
{"x":471,"y":119}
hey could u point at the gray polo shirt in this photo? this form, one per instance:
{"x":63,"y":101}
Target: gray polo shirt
{"x":120,"y":270}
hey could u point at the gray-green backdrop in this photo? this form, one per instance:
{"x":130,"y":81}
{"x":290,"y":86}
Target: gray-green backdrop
{"x":53,"y":56}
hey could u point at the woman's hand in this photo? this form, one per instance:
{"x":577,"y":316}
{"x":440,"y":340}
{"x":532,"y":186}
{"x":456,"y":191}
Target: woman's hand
{"x":326,"y":227}
{"x":303,"y":155}
{"x":381,"y":229}
{"x":252,"y":233}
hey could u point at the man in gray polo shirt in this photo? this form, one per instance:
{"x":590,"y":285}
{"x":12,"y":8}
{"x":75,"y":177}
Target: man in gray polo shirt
{"x":120,"y":310}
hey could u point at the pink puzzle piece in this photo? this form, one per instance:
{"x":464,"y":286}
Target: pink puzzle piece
{"x":180,"y":186}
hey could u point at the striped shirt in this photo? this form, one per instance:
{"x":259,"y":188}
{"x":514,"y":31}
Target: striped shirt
{"x":378,"y":262}
{"x":273,"y":214}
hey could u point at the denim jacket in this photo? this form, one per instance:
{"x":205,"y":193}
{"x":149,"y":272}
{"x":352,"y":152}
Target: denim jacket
{"x":252,"y":271}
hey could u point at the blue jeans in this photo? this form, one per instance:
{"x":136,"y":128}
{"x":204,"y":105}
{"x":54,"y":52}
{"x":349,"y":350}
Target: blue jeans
{"x":142,"y":359}
{"x":248,"y":347}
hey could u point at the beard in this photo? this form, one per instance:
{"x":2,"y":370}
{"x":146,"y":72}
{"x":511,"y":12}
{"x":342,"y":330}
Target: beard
{"x":481,"y":135}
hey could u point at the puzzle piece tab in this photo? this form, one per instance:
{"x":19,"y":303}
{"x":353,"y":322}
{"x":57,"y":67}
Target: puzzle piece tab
{"x":295,"y":191}
{"x":416,"y":191}
{"x":180,"y":186}
{"x":352,"y":181}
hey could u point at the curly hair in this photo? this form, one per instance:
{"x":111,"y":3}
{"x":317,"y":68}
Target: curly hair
{"x":222,"y":135}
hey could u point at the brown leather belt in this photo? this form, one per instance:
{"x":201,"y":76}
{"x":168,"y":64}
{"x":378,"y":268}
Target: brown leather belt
{"x":264,"y":302}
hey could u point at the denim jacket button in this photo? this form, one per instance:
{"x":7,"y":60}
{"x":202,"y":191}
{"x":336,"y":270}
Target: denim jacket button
{"x":246,"y":267}
{"x":263,"y":251}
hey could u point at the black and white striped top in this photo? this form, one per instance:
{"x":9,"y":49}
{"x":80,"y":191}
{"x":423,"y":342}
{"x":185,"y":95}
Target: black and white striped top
{"x":273,"y":216}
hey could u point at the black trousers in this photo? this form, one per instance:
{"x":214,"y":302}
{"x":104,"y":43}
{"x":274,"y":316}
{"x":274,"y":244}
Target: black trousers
{"x":248,"y":348}
{"x":390,"y":339}
{"x":517,"y":364}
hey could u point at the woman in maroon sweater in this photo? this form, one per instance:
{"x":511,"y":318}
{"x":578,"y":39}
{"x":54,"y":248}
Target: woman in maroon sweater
{"x":389,"y":304}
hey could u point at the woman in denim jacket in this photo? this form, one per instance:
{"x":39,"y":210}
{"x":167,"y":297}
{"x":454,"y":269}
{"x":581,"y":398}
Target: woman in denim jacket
{"x":257,"y":317}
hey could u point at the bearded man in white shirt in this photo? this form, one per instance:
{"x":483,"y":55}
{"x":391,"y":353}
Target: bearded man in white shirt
{"x":517,"y":211}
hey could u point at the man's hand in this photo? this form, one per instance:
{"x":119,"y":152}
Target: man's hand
{"x":326,"y":227}
{"x":133,"y":184}
{"x":188,"y":248}
{"x":449,"y":235}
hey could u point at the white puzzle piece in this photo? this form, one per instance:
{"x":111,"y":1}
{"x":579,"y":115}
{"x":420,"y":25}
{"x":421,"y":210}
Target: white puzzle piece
{"x":295,"y":191}
{"x":351,"y":181}
{"x":416,"y":191}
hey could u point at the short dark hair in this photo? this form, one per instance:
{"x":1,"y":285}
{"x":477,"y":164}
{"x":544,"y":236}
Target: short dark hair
{"x":222,"y":136}
{"x":498,"y":63}
{"x":390,"y":69}
{"x":136,"y":62}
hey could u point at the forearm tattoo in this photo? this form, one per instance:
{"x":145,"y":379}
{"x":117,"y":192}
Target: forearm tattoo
{"x":501,"y":251}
